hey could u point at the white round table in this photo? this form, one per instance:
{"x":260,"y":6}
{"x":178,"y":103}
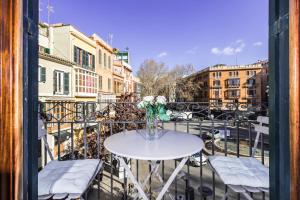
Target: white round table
{"x":171,"y":145}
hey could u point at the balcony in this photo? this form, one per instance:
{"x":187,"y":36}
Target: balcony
{"x":232,"y":83}
{"x":216,"y":87}
{"x":88,"y":127}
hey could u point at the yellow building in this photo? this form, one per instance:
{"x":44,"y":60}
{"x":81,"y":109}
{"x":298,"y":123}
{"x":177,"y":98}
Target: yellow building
{"x":223,"y":84}
{"x":104,"y":69}
{"x":118,"y":76}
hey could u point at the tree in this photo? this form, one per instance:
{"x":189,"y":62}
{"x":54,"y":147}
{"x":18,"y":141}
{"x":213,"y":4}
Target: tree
{"x":173,"y":76}
{"x":151,"y":74}
{"x":187,"y":88}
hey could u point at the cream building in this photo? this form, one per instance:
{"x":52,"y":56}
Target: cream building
{"x":71,"y":44}
{"x":56,"y":75}
{"x":104,"y":69}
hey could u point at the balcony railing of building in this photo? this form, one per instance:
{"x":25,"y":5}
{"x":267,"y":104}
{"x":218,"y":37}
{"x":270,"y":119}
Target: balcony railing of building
{"x":232,"y":83}
{"x":79,"y":130}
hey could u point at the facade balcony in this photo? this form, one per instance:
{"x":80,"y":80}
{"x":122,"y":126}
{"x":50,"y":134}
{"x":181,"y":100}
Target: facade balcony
{"x":216,"y":86}
{"x":117,"y":73}
{"x":250,"y":85}
{"x":232,"y":85}
{"x":232,"y":96}
{"x":89,"y":127}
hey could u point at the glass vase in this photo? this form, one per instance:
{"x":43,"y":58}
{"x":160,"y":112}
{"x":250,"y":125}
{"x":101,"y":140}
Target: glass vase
{"x":151,"y":128}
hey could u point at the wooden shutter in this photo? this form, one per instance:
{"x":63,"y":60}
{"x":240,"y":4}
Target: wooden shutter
{"x":93,"y":61}
{"x":54,"y":82}
{"x":66,"y":83}
{"x":43,"y":74}
{"x":75,"y":55}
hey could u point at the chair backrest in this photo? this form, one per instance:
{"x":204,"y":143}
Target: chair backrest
{"x":42,"y":132}
{"x":260,"y":128}
{"x":42,"y":135}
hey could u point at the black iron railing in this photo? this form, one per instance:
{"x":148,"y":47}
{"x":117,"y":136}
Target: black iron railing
{"x":79,"y":129}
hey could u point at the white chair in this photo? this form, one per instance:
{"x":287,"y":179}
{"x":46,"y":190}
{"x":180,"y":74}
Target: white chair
{"x":244,"y":175}
{"x":65,"y":179}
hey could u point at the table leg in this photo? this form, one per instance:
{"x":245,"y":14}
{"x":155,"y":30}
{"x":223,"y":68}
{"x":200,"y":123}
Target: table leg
{"x":133,"y":179}
{"x":172,"y":177}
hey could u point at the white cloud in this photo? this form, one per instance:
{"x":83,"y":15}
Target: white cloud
{"x":256,"y":44}
{"x":162,"y":54}
{"x":216,"y":51}
{"x":237,"y":47}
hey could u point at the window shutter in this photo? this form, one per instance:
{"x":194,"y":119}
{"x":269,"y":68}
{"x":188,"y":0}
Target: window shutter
{"x":100,"y":57}
{"x":75,"y":54}
{"x":43,"y":74}
{"x":109,"y":62}
{"x":54,"y":82}
{"x":93,"y":57}
{"x":66,"y":83}
{"x":47,"y":50}
{"x":100,"y":82}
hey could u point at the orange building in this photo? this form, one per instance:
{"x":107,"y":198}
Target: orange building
{"x":236,"y":83}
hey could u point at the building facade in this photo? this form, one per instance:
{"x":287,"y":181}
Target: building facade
{"x":104,"y":69}
{"x":221,"y":84}
{"x":118,"y":76}
{"x":71,"y":44}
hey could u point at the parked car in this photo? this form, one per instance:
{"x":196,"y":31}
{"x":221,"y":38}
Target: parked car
{"x":180,"y":116}
{"x":219,"y":133}
{"x":195,"y":160}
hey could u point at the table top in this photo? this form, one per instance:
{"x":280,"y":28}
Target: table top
{"x":171,"y":145}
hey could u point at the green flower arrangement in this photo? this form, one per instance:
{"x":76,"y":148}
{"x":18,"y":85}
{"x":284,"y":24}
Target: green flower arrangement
{"x":155,"y":107}
{"x":155,"y":110}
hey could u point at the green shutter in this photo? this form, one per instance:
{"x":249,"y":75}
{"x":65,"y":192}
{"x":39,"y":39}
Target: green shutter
{"x":43,"y":74}
{"x":54,"y":82}
{"x":66,"y":83}
{"x":75,"y":54}
{"x":47,"y":50}
{"x":93,"y":57}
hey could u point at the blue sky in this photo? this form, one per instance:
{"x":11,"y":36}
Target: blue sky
{"x":200,"y":32}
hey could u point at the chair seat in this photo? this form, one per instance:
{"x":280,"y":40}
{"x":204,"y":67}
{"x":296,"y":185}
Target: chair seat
{"x":243,"y":171}
{"x":67,"y":177}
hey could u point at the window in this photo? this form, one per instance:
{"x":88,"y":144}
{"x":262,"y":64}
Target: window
{"x":42,"y":74}
{"x":60,"y":82}
{"x":217,"y":83}
{"x":234,"y":82}
{"x":233,"y":93}
{"x":217,"y":93}
{"x":86,"y":81}
{"x":44,"y":50}
{"x":100,"y":83}
{"x":217,"y":74}
{"x":234,"y":74}
{"x":100,"y":57}
{"x":251,"y":73}
{"x":251,"y":92}
{"x":109,"y":84}
{"x":104,"y":59}
{"x":84,"y":58}
{"x":250,"y":82}
{"x":109,"y":62}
